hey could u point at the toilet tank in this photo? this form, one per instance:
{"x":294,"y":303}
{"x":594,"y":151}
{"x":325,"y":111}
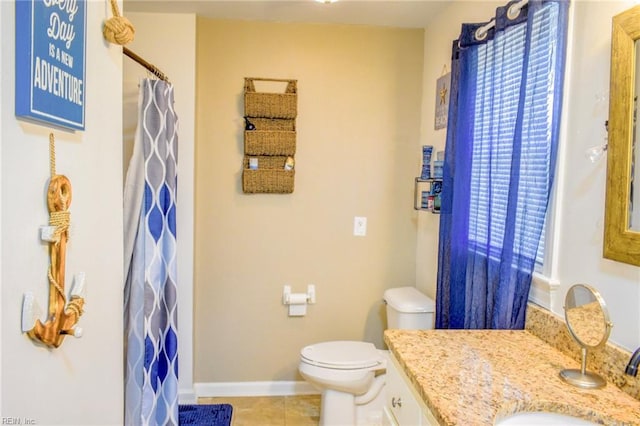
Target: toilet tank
{"x":409,"y":309}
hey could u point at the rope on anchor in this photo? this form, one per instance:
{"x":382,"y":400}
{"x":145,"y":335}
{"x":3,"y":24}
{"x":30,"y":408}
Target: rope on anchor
{"x":52,"y":154}
{"x":55,"y":284}
{"x":61,"y":220}
{"x":58,"y":219}
{"x":74,"y":308}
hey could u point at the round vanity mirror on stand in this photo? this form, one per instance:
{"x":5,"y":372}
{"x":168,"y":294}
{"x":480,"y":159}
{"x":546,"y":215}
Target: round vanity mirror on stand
{"x":588,"y":322}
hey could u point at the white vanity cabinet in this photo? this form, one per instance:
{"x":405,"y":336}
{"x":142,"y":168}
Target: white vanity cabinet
{"x":403,"y":405}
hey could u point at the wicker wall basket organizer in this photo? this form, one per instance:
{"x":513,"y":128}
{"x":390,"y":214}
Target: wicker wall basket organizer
{"x":269,"y":142}
{"x":270,"y":177}
{"x":270,"y":105}
{"x":269,"y":136}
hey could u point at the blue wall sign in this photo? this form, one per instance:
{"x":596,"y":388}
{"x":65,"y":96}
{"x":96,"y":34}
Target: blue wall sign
{"x":50,"y":61}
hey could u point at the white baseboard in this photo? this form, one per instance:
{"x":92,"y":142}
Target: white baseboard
{"x":218,"y":389}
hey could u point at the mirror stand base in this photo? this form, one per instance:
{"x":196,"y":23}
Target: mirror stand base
{"x":582,"y":379}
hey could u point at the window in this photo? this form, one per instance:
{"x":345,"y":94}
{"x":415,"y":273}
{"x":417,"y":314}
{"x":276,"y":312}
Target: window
{"x":493,"y":171}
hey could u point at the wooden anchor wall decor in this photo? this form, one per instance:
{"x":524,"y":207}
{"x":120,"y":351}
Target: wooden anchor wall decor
{"x":63,"y":315}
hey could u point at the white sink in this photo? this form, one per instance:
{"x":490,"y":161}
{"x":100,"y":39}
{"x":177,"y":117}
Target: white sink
{"x":541,"y":418}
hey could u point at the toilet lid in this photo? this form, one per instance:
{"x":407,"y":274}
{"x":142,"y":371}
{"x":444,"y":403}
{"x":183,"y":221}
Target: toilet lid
{"x":342,"y":355}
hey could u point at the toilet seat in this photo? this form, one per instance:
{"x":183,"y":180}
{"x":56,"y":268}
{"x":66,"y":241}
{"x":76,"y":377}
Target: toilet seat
{"x":342,"y":355}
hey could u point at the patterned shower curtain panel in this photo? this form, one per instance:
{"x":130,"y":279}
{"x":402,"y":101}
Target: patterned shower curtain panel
{"x":151,"y":334}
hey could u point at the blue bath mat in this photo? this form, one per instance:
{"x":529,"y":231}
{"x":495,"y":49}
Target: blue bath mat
{"x":205,"y":415}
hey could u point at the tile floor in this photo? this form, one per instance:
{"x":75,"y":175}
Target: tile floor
{"x":299,"y":410}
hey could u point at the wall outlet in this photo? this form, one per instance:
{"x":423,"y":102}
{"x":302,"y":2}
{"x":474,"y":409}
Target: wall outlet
{"x":359,"y":226}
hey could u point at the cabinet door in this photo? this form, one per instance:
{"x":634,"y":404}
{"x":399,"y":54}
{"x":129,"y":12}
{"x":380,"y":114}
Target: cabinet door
{"x":400,"y":401}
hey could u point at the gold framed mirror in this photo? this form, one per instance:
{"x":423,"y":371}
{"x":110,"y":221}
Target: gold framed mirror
{"x":622,"y":218}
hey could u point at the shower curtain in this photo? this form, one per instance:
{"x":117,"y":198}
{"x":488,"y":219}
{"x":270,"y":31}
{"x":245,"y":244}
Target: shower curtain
{"x":150,"y":303}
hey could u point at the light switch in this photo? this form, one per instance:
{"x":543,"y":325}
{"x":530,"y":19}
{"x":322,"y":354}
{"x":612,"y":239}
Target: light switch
{"x":359,"y":226}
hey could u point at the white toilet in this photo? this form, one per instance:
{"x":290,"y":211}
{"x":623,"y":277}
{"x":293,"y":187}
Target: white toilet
{"x":351,"y":375}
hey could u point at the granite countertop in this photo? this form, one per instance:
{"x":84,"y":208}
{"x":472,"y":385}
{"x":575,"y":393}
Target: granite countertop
{"x":474,"y":377}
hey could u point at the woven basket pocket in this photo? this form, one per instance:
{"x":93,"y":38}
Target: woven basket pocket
{"x":269,"y":142}
{"x":273,"y":123}
{"x":271,"y":177}
{"x":270,"y":105}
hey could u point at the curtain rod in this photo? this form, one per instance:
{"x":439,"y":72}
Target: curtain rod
{"x":512,"y":13}
{"x":152,"y":68}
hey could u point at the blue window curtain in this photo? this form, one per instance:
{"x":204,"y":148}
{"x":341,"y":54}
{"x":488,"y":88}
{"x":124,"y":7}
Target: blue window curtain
{"x":500,"y":155}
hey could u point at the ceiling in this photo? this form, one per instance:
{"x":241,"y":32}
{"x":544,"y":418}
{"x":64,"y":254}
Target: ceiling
{"x":394,"y":13}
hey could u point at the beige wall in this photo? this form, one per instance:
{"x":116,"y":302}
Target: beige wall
{"x":81,"y":382}
{"x":358,"y":122}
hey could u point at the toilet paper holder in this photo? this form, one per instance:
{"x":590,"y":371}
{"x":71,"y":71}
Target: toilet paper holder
{"x":289,"y":298}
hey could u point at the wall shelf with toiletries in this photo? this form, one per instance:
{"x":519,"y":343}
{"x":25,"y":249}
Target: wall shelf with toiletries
{"x":427,"y":187}
{"x":269,"y":138}
{"x":426,"y":194}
